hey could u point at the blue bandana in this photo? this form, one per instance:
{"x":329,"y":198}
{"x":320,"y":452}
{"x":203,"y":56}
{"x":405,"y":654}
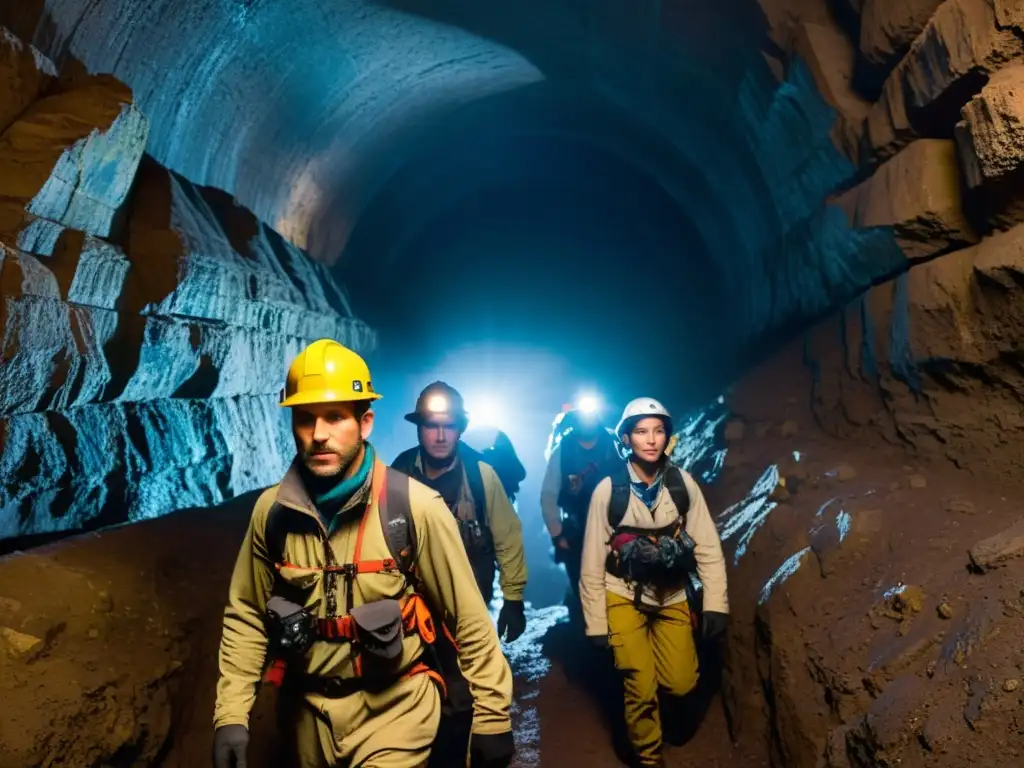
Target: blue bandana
{"x":648,"y":494}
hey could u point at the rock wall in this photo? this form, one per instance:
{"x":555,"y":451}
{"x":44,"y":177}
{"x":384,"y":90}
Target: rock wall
{"x":878,"y":595}
{"x":108,"y":645}
{"x":146,"y":323}
{"x":928,"y":107}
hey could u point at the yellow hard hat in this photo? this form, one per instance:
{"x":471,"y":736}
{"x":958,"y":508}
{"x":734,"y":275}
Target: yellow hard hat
{"x":327,"y":372}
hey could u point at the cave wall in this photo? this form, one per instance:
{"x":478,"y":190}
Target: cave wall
{"x":869,"y":484}
{"x":926,"y":109}
{"x":146,"y":322}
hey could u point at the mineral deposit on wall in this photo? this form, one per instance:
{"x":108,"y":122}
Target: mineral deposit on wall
{"x":146,"y":322}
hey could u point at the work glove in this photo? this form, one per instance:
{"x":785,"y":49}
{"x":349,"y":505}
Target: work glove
{"x":491,"y":750}
{"x":230,"y":741}
{"x":512,"y":619}
{"x":714,"y":624}
{"x":599,"y":641}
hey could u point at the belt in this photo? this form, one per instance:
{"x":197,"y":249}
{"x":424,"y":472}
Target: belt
{"x":340,"y":687}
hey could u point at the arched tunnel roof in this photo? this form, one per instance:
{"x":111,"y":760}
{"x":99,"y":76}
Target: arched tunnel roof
{"x":321,"y":114}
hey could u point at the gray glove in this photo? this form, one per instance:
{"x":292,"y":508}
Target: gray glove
{"x":230,"y":741}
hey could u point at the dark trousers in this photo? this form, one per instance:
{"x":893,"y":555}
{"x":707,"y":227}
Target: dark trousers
{"x":572,"y":559}
{"x":484,"y":568}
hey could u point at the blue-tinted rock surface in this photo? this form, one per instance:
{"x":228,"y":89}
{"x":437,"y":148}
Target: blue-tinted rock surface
{"x":146,"y":322}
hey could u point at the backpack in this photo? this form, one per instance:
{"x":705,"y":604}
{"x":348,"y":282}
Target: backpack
{"x":607,"y":462}
{"x":674,"y":484}
{"x":676,"y":487}
{"x":405,"y":463}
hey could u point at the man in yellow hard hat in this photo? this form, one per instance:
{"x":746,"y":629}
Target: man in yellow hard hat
{"x":338,"y":595}
{"x":490,"y":528}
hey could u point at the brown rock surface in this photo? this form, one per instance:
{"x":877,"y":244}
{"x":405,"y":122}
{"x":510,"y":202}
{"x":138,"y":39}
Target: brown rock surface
{"x":946,"y":65}
{"x":25,"y":74}
{"x":855,"y":664}
{"x":921,"y":350}
{"x":917,"y":193}
{"x":887,"y":28}
{"x":71,"y":158}
{"x":991,"y":145}
{"x":997,"y":550}
{"x":829,"y":55}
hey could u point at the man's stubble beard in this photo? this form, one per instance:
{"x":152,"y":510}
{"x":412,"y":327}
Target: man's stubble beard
{"x":346,"y":461}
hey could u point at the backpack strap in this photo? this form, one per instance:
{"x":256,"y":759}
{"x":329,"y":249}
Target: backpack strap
{"x":619,"y":500}
{"x":674,"y":484}
{"x":676,"y":487}
{"x":474,"y":479}
{"x":406,"y":461}
{"x":396,"y":520}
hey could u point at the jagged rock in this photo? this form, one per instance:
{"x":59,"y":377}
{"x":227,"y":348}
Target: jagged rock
{"x":914,"y":356}
{"x":25,"y":74}
{"x":829,"y":55}
{"x":917,"y":193}
{"x":945,"y":65}
{"x":888,"y":28}
{"x":887,"y":724}
{"x":991,"y":145}
{"x":997,"y":550}
{"x":71,"y":158}
{"x":18,"y":644}
{"x":1009,"y":13}
{"x":132,"y":380}
{"x":910,"y":599}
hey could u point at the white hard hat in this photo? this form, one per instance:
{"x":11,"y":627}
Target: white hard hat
{"x":641,"y":408}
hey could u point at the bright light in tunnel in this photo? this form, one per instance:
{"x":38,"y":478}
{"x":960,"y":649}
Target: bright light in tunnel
{"x":588,"y":404}
{"x":485,"y":411}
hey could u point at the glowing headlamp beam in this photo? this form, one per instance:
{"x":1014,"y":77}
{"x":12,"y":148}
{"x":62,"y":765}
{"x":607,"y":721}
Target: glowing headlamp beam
{"x":437,"y":404}
{"x":588,"y":405}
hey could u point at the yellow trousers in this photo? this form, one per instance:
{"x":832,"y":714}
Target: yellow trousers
{"x":388,"y":729}
{"x":653,"y":647}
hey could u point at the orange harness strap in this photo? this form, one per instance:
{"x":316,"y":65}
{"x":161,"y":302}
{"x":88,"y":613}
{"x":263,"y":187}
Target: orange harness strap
{"x":419,"y":668}
{"x":416,"y":616}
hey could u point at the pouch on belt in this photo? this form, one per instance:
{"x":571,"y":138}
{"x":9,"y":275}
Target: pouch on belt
{"x":379,"y":627}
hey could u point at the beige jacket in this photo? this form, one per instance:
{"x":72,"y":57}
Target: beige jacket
{"x":504,"y":524}
{"x":550,"y":487}
{"x":443,"y":571}
{"x":595,"y":581}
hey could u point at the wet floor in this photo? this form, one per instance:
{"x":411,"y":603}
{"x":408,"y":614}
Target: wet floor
{"x":568,"y":706}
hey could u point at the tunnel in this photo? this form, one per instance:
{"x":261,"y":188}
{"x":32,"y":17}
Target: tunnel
{"x":797,"y":223}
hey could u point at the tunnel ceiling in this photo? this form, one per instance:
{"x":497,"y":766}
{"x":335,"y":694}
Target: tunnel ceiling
{"x":303,"y":109}
{"x":327,"y":118}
